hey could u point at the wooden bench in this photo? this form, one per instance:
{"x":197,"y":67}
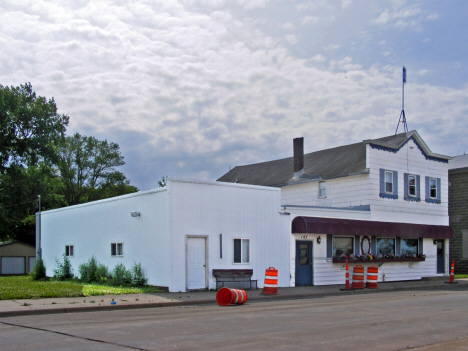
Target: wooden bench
{"x":233,"y":275}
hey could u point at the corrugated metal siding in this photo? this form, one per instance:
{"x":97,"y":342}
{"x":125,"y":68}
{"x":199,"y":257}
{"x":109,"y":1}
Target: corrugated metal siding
{"x":236,"y":211}
{"x":91,"y":228}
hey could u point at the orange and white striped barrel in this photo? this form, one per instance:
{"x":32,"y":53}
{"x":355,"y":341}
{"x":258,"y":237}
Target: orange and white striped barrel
{"x":227,"y":297}
{"x":358,"y":277}
{"x":372,"y":276}
{"x":270,"y":286}
{"x":452,"y":271}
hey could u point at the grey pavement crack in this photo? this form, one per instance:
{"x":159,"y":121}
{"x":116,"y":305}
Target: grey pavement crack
{"x":73,"y":336}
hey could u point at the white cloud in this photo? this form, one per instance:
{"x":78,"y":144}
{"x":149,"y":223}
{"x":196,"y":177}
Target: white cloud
{"x":309,"y":19}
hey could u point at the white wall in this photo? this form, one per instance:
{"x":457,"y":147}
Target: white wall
{"x":237,"y":211}
{"x":92,"y":227}
{"x":341,"y":192}
{"x":409,"y":159}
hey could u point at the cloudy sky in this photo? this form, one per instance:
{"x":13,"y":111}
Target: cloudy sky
{"x":189,"y":88}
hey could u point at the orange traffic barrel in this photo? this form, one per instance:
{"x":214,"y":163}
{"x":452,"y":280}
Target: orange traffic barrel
{"x":270,"y":286}
{"x":372,"y":276}
{"x":226,"y":297}
{"x":358,"y":277}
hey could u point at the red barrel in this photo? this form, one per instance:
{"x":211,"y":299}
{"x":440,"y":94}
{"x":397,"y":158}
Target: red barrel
{"x":358,"y":277}
{"x":270,"y":286}
{"x":226,"y":297}
{"x":372,"y":276}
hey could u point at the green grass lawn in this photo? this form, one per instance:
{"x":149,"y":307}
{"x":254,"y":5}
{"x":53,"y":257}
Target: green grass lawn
{"x":23,"y":287}
{"x":460,"y":276}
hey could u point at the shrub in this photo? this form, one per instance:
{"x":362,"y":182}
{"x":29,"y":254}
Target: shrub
{"x":121,"y":276}
{"x":88,"y":270}
{"x":102,"y":274}
{"x":138,"y":278}
{"x":39,"y":270}
{"x":64,"y":270}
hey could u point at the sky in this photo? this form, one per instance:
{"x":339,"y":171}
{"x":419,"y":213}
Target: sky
{"x":190,"y":88}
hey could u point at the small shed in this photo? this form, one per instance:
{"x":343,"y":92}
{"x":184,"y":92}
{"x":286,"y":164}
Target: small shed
{"x":16,"y":257}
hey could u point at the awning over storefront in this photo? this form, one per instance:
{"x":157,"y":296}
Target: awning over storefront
{"x":336,"y":226}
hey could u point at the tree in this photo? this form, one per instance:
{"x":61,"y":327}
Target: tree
{"x":86,"y":167}
{"x":29,"y":124}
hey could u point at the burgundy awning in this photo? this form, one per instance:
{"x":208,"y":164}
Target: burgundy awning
{"x":336,"y":226}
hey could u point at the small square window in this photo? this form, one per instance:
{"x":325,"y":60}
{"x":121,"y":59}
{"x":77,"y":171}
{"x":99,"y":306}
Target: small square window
{"x":241,"y":251}
{"x":389,"y":182}
{"x":433,"y":188}
{"x":69,"y":250}
{"x":322,"y":189}
{"x":116,"y":249}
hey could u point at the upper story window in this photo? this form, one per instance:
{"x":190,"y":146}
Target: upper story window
{"x":433,"y":190}
{"x":388,"y":184}
{"x":322,"y":189}
{"x":412,"y":192}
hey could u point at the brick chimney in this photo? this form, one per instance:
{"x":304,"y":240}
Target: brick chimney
{"x":298,"y":146}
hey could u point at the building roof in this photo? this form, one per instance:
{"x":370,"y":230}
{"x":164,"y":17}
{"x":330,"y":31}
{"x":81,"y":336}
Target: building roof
{"x":458,"y":162}
{"x":331,"y":163}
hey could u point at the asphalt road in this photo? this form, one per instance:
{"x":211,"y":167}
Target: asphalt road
{"x":422,"y":320}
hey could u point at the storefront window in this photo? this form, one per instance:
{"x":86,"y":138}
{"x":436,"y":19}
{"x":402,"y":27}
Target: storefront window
{"x":385,"y":246}
{"x":409,"y":247}
{"x":342,"y":246}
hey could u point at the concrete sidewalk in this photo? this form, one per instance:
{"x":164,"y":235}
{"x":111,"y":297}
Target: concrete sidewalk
{"x":13,"y":308}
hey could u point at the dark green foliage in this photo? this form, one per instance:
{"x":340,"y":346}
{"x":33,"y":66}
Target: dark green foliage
{"x":138,"y":278}
{"x":163,"y":182}
{"x":93,"y":272}
{"x":121,"y":276}
{"x":63,"y":271}
{"x":39,"y":270}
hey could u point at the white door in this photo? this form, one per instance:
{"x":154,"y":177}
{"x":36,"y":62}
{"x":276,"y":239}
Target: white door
{"x":13,"y":265}
{"x":196,"y":263}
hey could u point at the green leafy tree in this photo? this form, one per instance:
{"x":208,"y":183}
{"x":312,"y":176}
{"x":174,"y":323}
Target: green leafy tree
{"x":29,"y":124}
{"x":86,"y":167}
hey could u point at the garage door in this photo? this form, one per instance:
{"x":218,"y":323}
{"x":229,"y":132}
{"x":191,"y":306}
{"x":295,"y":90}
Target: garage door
{"x":13,"y":265}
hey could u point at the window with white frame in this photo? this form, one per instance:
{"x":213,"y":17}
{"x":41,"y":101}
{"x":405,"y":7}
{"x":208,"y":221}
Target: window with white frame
{"x":242,"y":251}
{"x":117,"y":249}
{"x":409,"y":247}
{"x":433,"y":188}
{"x":322,"y":189}
{"x":412,"y":185}
{"x":342,"y":246}
{"x":69,"y":251}
{"x":385,"y":246}
{"x":389,"y":182}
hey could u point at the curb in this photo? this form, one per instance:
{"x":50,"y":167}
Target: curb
{"x":212,"y":301}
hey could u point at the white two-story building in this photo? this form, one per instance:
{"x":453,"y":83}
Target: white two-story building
{"x":385,"y":199}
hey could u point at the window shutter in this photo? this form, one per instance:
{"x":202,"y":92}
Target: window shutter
{"x":438,"y":190}
{"x":395,"y":183}
{"x":427,"y":189}
{"x":397,"y":246}
{"x":418,"y":190}
{"x":373,"y":245}
{"x":420,"y":246}
{"x":329,"y":245}
{"x":406,"y":186}
{"x":382,"y":181}
{"x":357,"y":242}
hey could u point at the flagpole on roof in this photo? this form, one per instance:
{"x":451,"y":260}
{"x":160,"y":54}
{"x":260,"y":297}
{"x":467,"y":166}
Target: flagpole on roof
{"x":402,"y":114}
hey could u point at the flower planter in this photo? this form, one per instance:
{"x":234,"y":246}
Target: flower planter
{"x":339,"y":260}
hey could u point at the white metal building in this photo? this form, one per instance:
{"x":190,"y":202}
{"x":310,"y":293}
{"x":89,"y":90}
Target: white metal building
{"x":178,"y":233}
